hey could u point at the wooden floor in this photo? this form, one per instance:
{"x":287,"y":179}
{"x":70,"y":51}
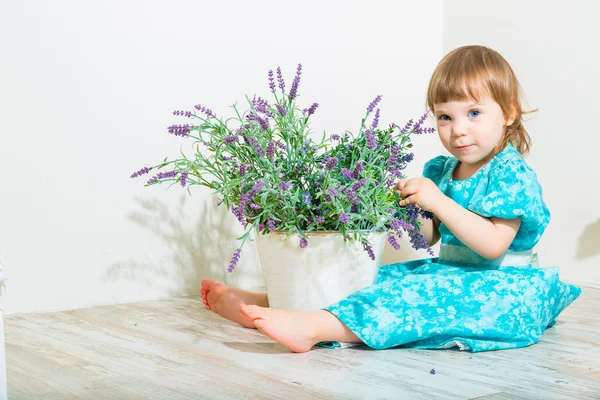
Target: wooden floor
{"x":176,"y":349}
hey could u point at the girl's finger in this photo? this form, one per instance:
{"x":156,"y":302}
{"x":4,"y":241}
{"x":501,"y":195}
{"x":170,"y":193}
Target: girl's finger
{"x":400,"y":184}
{"x":406,"y":201}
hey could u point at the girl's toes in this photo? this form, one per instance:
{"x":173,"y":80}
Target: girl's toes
{"x":250,"y":311}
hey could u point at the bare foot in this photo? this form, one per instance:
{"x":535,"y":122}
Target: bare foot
{"x":296,"y":330}
{"x":225,"y":301}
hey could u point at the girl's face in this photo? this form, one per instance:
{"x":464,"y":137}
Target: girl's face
{"x":470,"y":131}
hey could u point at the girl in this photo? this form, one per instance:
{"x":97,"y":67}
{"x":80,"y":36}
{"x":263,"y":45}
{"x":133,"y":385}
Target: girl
{"x":485,"y":291}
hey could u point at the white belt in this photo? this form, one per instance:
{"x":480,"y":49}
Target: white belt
{"x":462,"y":254}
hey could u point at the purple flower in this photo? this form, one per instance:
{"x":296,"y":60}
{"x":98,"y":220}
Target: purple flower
{"x":282,"y":111}
{"x":357,"y":185}
{"x":141,"y":172}
{"x":347,"y":173}
{"x":261,"y":227}
{"x":369,"y":250}
{"x":393,"y":160}
{"x":257,"y":146}
{"x":205,"y":110}
{"x":331,"y":163}
{"x":373,"y":104}
{"x":407,"y":126}
{"x":184,"y":176}
{"x":231,"y":139}
{"x":359,"y":167}
{"x":254,"y":206}
{"x":271,"y":224}
{"x":296,"y":82}
{"x":282,"y":146}
{"x":167,"y":175}
{"x":335,"y":137}
{"x":333,"y":192}
{"x":344,"y":218}
{"x":179,"y":130}
{"x":320,"y":219}
{"x":306,"y":197}
{"x":285,"y":186}
{"x":313,"y":108}
{"x":393,"y":241}
{"x":375,"y":120}
{"x":271,"y":149}
{"x":261,"y":106}
{"x":271,"y":81}
{"x":371,"y":141}
{"x":234,"y":260}
{"x":417,"y":128}
{"x":263,"y":122}
{"x":281,"y":81}
{"x":303,"y":242}
{"x":187,"y":114}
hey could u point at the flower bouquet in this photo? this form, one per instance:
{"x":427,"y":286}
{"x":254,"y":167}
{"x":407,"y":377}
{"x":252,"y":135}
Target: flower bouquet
{"x":267,"y":167}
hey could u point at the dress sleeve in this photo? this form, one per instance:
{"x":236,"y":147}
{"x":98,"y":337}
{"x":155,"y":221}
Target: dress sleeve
{"x":513,"y":191}
{"x":434,"y":169}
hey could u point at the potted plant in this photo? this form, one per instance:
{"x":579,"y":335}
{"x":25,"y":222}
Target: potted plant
{"x":321,"y":207}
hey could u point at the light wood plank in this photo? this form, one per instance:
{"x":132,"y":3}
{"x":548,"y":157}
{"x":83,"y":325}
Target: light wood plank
{"x":176,"y":349}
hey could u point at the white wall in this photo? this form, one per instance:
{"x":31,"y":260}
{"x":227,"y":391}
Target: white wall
{"x":554,"y":49}
{"x":87,"y":92}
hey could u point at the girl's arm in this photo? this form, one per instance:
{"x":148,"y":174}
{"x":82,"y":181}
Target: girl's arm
{"x":489,"y":238}
{"x":430,"y":229}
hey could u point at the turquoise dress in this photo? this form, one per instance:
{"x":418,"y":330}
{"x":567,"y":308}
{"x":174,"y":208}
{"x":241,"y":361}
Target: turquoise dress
{"x":461,"y":299}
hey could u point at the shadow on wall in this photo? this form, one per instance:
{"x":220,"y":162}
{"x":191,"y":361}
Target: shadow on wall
{"x":589,"y":241}
{"x":195,"y":251}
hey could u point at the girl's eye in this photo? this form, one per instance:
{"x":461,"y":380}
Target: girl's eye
{"x":444,"y":117}
{"x":473,"y":113}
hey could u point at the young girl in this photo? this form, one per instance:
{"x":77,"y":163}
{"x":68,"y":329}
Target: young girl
{"x":485,"y":291}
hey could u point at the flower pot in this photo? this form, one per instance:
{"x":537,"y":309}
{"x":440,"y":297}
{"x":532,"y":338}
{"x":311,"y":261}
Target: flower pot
{"x":324,"y":272}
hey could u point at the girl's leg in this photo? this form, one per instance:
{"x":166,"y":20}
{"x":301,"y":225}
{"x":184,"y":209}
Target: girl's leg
{"x":299,"y":331}
{"x":225,"y":301}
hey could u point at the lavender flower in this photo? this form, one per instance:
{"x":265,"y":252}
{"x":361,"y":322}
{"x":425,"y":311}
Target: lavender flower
{"x":375,"y":120}
{"x":331,"y":163}
{"x":231,"y":139}
{"x":333,"y":192}
{"x":407,"y":126}
{"x":373,"y":104}
{"x":320,"y":219}
{"x":313,"y":108}
{"x":306,"y":198}
{"x":393,"y":160}
{"x":204,"y":110}
{"x":271,"y":81}
{"x":234,"y":260}
{"x":184,"y":177}
{"x":282,"y":146}
{"x":347,"y":173}
{"x":141,"y":172}
{"x":281,"y":81}
{"x":285,"y":186}
{"x":344,"y":218}
{"x":393,"y":241}
{"x":257,"y":146}
{"x":369,"y":250}
{"x":282,"y":111}
{"x":303,"y":242}
{"x":357,"y":185}
{"x":187,"y":114}
{"x":271,"y":149}
{"x":179,"y":130}
{"x":296,"y":82}
{"x":271,"y":224}
{"x":263,"y":122}
{"x":371,"y":141}
{"x":335,"y":137}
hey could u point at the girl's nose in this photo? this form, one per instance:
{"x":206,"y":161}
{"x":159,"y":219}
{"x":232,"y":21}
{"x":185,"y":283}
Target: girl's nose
{"x":459,"y":130}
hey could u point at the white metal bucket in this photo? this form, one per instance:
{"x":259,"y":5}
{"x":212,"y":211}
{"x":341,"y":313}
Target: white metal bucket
{"x":323,"y":273}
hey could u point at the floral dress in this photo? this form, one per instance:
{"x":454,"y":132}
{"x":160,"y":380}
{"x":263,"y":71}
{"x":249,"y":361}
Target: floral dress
{"x":461,"y":299}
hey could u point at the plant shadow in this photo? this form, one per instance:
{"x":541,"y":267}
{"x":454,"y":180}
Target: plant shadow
{"x":192,"y":250}
{"x":589,"y":241}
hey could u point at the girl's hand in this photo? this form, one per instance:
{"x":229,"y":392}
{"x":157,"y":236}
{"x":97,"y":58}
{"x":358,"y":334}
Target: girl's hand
{"x":420,"y":191}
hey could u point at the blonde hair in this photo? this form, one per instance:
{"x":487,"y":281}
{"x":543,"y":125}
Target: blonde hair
{"x":470,"y":71}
